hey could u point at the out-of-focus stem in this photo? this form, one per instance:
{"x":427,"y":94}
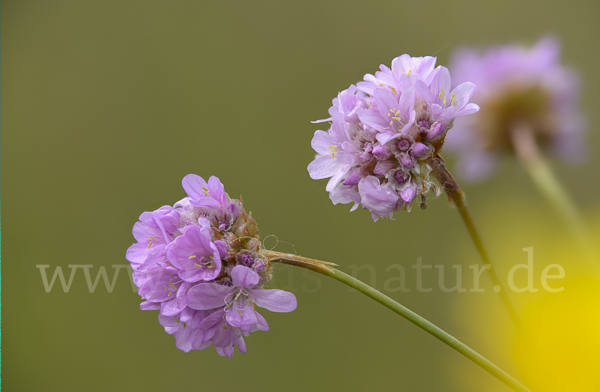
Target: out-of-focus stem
{"x":327,"y":269}
{"x":526,"y":149}
{"x":457,"y":196}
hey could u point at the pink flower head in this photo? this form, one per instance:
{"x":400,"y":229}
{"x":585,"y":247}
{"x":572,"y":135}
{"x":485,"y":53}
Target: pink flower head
{"x":199,"y":263}
{"x":383,"y":133}
{"x":516,"y":85}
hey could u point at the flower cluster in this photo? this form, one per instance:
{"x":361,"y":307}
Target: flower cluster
{"x":383,"y":133}
{"x":198,"y":262}
{"x":516,"y":86}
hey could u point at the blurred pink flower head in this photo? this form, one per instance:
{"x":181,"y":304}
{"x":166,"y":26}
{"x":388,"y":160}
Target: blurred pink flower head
{"x":516,"y":85}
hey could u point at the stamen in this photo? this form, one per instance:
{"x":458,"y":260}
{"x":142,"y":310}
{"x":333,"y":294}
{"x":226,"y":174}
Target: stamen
{"x":191,"y":257}
{"x":240,"y":312}
{"x":334,"y":149}
{"x":205,"y":191}
{"x":199,"y":265}
{"x":409,"y":71}
{"x":453,"y":97}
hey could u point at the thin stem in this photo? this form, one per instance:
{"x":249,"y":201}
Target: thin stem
{"x":327,"y":270}
{"x":527,"y":151}
{"x":457,"y":196}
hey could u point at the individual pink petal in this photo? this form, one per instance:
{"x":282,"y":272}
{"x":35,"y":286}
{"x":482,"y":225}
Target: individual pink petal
{"x":274,"y":300}
{"x":244,"y":277}
{"x":195,"y":186}
{"x":208,"y":296}
{"x":241,"y":314}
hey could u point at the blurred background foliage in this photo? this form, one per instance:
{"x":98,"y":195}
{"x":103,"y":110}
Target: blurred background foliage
{"x":106,"y":105}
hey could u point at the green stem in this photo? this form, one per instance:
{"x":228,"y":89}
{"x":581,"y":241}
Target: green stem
{"x":458,"y":198}
{"x":326,"y":269}
{"x":527,"y":151}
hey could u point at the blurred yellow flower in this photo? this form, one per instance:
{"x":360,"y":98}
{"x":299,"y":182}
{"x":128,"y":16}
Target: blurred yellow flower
{"x":557,"y":345}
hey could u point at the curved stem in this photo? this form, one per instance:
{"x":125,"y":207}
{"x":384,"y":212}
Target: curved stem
{"x":526,"y":149}
{"x":327,"y":270}
{"x":457,"y":196}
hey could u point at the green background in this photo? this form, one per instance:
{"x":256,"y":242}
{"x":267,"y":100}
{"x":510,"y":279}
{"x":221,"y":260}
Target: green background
{"x":106,"y":105}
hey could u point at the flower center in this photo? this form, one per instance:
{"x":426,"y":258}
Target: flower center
{"x":170,"y":288}
{"x":203,"y":261}
{"x":151,"y":238}
{"x":333,"y":151}
{"x":394,"y":116}
{"x":443,"y":97}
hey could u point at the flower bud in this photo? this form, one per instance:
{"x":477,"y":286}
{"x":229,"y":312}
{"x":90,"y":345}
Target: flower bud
{"x":353,"y":178}
{"x":381,"y":152}
{"x":408,"y":194}
{"x":435,"y":132}
{"x":419,"y":149}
